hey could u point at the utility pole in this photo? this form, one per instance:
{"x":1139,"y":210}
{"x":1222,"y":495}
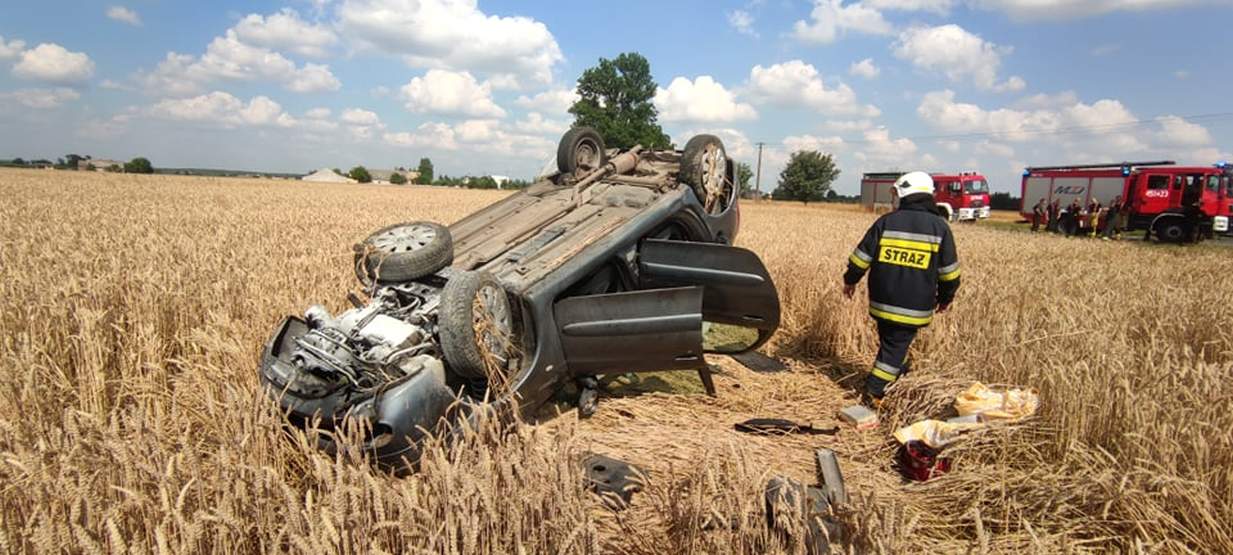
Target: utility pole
{"x":758,"y":179}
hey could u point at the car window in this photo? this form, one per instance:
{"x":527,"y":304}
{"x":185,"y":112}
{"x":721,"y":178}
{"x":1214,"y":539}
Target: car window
{"x":1158,"y":182}
{"x":1213,"y":183}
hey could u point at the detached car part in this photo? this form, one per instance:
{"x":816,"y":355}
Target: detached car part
{"x":619,"y":262}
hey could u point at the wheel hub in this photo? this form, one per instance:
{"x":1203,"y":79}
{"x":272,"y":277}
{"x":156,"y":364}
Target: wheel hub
{"x":405,"y":238}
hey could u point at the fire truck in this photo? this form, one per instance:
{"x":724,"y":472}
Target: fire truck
{"x":962,"y":197}
{"x":1174,"y":203}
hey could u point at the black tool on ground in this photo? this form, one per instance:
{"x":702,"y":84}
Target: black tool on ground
{"x":615,"y":481}
{"x":759,"y":362}
{"x":779,"y":426}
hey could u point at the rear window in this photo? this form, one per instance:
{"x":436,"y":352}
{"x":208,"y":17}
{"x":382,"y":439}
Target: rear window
{"x":1157,"y":182}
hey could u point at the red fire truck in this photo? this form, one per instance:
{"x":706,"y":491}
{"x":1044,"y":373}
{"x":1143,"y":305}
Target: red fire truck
{"x":962,"y":196}
{"x":1167,"y":200}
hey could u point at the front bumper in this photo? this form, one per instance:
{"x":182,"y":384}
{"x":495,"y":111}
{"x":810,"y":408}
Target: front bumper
{"x":1220,"y":224}
{"x":973,"y":213}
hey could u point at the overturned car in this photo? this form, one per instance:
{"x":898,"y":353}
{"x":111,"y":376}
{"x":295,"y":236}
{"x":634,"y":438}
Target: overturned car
{"x":621,"y":261}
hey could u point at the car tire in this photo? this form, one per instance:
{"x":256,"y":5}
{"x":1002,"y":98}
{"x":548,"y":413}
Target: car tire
{"x":468,"y":300}
{"x":580,"y":151}
{"x":403,"y":252}
{"x":704,"y":168}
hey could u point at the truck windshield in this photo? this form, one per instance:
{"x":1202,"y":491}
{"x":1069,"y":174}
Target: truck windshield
{"x":978,"y":186}
{"x":1213,"y":183}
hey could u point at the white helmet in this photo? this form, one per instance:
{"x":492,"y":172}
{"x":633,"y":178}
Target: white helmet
{"x":913,"y":183}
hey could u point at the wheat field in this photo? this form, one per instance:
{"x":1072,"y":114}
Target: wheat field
{"x":133,"y":308}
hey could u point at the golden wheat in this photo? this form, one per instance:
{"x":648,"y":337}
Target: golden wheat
{"x":133,"y":308}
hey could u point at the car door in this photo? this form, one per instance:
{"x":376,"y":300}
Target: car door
{"x":659,"y":329}
{"x":737,"y":290}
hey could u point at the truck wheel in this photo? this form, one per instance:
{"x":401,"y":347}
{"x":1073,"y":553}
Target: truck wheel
{"x":580,"y":151}
{"x":704,"y":167}
{"x":476,"y":325}
{"x":1170,"y":231}
{"x":403,"y":252}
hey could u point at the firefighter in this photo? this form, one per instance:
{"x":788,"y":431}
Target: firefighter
{"x":1038,"y":212}
{"x":913,"y":272}
{"x":1054,"y":211}
{"x":1111,"y":218}
{"x":1093,"y":217}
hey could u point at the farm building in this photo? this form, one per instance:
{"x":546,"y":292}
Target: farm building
{"x":326,"y":175}
{"x":99,"y":164}
{"x":382,"y":177}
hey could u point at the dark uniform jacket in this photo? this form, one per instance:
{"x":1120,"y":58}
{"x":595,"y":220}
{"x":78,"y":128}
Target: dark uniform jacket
{"x":912,"y":263}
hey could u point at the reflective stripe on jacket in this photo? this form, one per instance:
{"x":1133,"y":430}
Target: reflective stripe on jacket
{"x":912,"y":263}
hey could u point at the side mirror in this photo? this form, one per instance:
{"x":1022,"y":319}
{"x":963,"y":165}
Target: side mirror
{"x":728,"y":338}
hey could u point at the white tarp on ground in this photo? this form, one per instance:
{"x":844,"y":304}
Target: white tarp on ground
{"x":326,"y":175}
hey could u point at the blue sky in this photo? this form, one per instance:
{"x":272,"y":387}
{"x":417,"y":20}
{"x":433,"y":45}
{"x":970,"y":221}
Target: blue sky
{"x":482,"y":88}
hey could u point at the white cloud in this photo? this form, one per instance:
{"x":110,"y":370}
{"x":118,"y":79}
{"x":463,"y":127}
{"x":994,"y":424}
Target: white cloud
{"x":880,"y":148}
{"x":742,"y":21}
{"x":11,"y":49}
{"x":52,"y":63}
{"x":124,"y":15}
{"x":220,"y":108}
{"x":935,"y":6}
{"x":700,"y":100}
{"x":958,"y":54}
{"x":1181,"y":74}
{"x":995,"y":149}
{"x":798,"y":84}
{"x":864,"y":68}
{"x":840,"y":126}
{"x":452,"y":93}
{"x":1070,"y":9}
{"x":41,"y":99}
{"x":230,"y":58}
{"x":554,"y":101}
{"x":536,"y":124}
{"x":286,"y":31}
{"x":1179,"y":132}
{"x":357,"y":116}
{"x":1104,"y":128}
{"x":318,"y":113}
{"x":811,"y":142}
{"x":830,"y":19}
{"x":487,"y":136}
{"x":455,"y":35}
{"x":432,"y":135}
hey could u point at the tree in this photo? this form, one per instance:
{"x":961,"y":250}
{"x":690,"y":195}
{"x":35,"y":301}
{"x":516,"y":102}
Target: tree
{"x":18,"y":162}
{"x":360,"y":173}
{"x":139,"y":165}
{"x":71,"y":160}
{"x":115,"y":168}
{"x":397,"y":179}
{"x":743,"y":175}
{"x":808,"y":176}
{"x":616,"y":99}
{"x":425,"y":170}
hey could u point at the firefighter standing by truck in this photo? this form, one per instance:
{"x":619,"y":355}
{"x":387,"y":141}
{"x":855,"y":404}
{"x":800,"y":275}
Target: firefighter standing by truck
{"x":913,"y":272}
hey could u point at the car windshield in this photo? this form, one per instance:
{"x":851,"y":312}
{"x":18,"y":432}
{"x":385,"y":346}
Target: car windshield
{"x":1213,"y":183}
{"x":976,"y":186}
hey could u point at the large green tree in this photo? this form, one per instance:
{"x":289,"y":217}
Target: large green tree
{"x":744,"y":176}
{"x":138,"y":165}
{"x":615,"y":98}
{"x":425,"y":170}
{"x":807,"y":177}
{"x":360,"y":174}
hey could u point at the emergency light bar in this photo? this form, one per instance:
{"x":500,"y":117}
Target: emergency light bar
{"x":1112,"y":165}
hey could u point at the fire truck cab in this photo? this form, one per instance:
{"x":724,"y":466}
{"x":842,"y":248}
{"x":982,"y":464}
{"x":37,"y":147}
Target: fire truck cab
{"x":1171,"y":202}
{"x":964,"y":196}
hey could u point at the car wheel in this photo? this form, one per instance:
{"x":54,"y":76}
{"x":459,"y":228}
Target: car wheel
{"x":580,"y":151}
{"x":704,"y":167}
{"x":403,"y":252}
{"x":476,"y":325}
